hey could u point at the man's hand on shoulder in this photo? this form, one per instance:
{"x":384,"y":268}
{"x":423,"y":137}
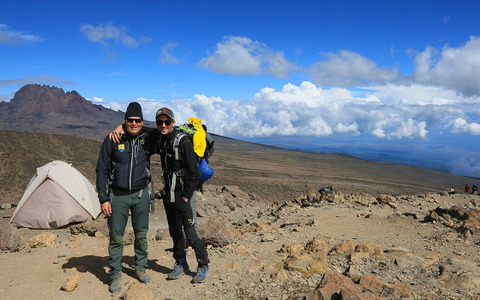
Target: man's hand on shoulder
{"x":116,"y":134}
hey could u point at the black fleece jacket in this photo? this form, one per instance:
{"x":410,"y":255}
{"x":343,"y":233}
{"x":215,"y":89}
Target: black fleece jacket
{"x":126,"y":165}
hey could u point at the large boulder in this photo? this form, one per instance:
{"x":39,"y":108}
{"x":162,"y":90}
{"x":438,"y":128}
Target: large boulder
{"x":218,"y":231}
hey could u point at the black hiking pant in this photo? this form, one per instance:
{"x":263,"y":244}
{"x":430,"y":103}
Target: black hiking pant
{"x":180,"y":216}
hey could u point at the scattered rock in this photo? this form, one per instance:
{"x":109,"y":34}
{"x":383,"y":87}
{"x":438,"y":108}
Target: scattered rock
{"x":139,"y":291}
{"x":10,"y":239}
{"x":257,"y":227}
{"x":42,"y":240}
{"x":242,"y":250}
{"x":345,"y":248}
{"x":385,"y":199}
{"x":280,"y":275}
{"x":332,"y":285}
{"x":457,"y":218}
{"x":313,"y":195}
{"x":464,"y":282}
{"x":292,"y":250}
{"x":71,"y":283}
{"x":306,"y":263}
{"x":337,"y":286}
{"x":162,"y":234}
{"x":89,"y":227}
{"x":320,"y":243}
{"x":410,"y":261}
{"x":371,"y":249}
{"x":6,"y":206}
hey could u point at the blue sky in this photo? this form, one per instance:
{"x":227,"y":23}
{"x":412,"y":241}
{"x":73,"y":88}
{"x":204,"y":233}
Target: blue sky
{"x":385,"y":80}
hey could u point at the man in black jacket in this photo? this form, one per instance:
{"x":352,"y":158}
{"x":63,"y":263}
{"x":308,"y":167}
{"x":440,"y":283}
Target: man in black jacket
{"x":181,"y":179}
{"x":123,"y":175}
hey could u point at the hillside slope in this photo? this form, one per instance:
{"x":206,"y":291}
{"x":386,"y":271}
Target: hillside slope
{"x":271,"y":173}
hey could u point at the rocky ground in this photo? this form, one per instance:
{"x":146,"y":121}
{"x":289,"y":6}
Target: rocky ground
{"x":335,"y":246}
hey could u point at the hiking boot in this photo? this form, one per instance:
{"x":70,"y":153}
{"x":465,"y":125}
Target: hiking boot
{"x":115,"y":285}
{"x":201,"y":274}
{"x":180,"y":268}
{"x":142,"y":276}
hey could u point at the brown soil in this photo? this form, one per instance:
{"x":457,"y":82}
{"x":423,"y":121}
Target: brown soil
{"x":266,"y":173}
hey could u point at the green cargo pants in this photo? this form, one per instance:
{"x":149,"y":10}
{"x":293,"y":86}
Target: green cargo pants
{"x":123,"y":203}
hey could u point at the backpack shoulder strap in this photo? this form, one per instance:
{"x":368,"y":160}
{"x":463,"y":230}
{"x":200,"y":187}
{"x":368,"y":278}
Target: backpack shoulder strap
{"x":176,"y":144}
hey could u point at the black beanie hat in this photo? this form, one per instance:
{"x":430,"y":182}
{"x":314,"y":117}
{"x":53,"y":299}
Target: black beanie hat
{"x":134,"y":110}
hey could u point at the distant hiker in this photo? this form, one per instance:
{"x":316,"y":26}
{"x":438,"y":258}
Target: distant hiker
{"x":474,"y":189}
{"x":123,"y":175}
{"x":452,"y":191}
{"x":467,"y":189}
{"x":181,"y":177}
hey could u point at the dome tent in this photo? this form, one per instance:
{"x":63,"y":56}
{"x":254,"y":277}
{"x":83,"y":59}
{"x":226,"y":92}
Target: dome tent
{"x":56,"y":196}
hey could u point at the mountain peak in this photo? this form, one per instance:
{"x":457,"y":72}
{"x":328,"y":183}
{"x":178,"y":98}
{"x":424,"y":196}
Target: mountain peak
{"x":35,"y":99}
{"x":50,"y":109}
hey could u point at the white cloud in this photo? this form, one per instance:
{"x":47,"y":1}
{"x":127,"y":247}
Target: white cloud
{"x":417,"y":94}
{"x":347,"y":69}
{"x":454,"y":68}
{"x":167,"y":56}
{"x":105,"y":33}
{"x":48,"y":80}
{"x":460,"y":125}
{"x":241,"y":56}
{"x":396,"y":127}
{"x":308,"y":110}
{"x":350,"y":128}
{"x":96,"y":99}
{"x":14,"y":37}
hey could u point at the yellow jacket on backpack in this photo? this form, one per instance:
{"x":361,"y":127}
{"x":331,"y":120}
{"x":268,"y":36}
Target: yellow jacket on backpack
{"x":199,"y":141}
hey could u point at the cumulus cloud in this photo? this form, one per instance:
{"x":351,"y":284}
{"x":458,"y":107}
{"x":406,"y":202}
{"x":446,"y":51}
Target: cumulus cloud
{"x":396,"y":127}
{"x":460,"y":125}
{"x":347,"y":69}
{"x":241,"y":56}
{"x":308,"y":110}
{"x":105,"y":33}
{"x":15,"y":37}
{"x":454,"y":68}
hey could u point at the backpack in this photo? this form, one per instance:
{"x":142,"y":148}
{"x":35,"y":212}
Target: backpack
{"x":203,"y":145}
{"x":327,"y":189}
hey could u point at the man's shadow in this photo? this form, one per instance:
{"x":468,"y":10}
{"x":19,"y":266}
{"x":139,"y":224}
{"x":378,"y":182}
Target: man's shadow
{"x":96,"y":265}
{"x":89,"y":263}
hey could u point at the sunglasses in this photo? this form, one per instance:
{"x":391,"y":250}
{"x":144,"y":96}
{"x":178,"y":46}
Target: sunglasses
{"x":130,"y":120}
{"x":166,"y":122}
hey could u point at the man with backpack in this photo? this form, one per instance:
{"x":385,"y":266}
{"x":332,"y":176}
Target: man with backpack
{"x":181,"y":179}
{"x":123,"y":175}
